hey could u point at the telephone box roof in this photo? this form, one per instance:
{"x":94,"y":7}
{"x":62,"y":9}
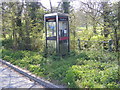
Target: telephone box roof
{"x":56,"y":14}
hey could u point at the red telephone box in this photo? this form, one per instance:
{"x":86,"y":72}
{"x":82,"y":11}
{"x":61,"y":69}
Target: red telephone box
{"x":57,"y":33}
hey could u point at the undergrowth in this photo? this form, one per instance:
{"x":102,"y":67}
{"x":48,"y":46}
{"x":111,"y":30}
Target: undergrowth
{"x":86,"y":69}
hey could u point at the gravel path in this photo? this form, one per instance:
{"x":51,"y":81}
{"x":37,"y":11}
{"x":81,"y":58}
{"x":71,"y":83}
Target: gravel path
{"x":11,"y":79}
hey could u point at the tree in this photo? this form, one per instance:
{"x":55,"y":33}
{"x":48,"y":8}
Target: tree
{"x":23,"y":22}
{"x":106,"y":18}
{"x":93,"y":11}
{"x":65,"y":6}
{"x":118,"y":38}
{"x":113,"y":19}
{"x":19,"y":23}
{"x":51,"y":8}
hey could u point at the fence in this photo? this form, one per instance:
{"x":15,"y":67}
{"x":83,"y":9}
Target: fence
{"x":84,"y":44}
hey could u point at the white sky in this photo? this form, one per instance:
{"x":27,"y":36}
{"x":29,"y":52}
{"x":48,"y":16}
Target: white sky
{"x":55,"y":2}
{"x":47,"y":4}
{"x":75,"y":3}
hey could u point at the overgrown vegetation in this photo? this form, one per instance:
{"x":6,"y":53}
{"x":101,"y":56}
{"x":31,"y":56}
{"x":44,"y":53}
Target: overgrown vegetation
{"x":83,"y":69}
{"x":90,"y":66}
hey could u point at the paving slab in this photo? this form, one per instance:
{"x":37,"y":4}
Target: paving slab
{"x":12,"y":79}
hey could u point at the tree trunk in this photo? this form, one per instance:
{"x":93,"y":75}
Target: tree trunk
{"x":51,"y":6}
{"x":116,"y":30}
{"x":65,"y":6}
{"x":27,"y":38}
{"x":19,"y":25}
{"x":15,"y":43}
{"x":27,"y":29}
{"x":86,"y":24}
{"x":105,"y":17}
{"x":94,"y":26}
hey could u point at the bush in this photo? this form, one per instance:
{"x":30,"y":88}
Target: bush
{"x":87,"y":69}
{"x":91,"y":75}
{"x":7,"y":43}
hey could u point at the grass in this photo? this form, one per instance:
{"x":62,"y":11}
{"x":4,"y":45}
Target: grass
{"x":84,"y":69}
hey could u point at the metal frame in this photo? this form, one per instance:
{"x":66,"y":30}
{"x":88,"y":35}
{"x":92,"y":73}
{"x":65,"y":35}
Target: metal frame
{"x":57,"y":33}
{"x":57,"y":29}
{"x":45,"y":34}
{"x":68,"y":36}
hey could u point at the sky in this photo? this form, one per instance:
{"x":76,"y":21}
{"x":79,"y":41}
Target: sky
{"x":75,"y":3}
{"x":47,"y":4}
{"x":55,"y":2}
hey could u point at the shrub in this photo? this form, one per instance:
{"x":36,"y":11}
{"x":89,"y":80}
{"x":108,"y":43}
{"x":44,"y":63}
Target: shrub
{"x":87,"y":69}
{"x":7,"y":43}
{"x":90,"y":75}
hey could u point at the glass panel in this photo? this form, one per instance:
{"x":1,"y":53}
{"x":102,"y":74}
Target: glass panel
{"x":63,"y":29}
{"x":51,"y":29}
{"x":63,"y":46}
{"x":51,"y":37}
{"x":63,"y":37}
{"x":51,"y":44}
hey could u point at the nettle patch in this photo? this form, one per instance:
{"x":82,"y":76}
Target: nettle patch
{"x":92,"y":75}
{"x":87,"y":69}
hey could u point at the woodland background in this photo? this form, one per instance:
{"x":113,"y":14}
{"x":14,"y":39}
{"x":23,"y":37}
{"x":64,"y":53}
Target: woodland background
{"x":94,"y":42}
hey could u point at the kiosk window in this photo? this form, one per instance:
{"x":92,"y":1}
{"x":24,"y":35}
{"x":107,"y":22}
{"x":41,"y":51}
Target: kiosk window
{"x":63,"y":29}
{"x":51,"y":29}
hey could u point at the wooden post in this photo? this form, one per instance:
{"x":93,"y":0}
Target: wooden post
{"x":110,"y":42}
{"x":79,"y":44}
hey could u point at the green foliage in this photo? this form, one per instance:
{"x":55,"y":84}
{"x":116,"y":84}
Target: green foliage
{"x":7,"y":43}
{"x":87,"y":69}
{"x":91,"y":68}
{"x":22,"y":31}
{"x":92,"y":73}
{"x":97,"y":38}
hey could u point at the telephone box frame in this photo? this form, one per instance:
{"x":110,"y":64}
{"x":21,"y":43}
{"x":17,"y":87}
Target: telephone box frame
{"x":56,"y":18}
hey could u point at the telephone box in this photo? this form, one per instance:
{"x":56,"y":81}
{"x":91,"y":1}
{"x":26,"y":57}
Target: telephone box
{"x":57,"y":33}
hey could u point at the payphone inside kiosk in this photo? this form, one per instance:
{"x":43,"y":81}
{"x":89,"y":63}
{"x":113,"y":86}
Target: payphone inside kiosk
{"x":57,"y":33}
